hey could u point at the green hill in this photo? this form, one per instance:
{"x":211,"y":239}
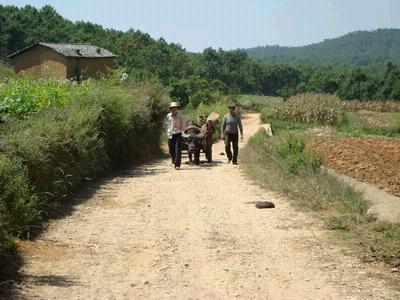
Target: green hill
{"x":359,"y":48}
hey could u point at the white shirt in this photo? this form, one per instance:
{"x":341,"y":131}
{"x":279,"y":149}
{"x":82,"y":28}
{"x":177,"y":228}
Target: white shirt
{"x":175,"y":124}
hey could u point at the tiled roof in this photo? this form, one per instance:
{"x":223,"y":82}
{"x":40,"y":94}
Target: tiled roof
{"x":72,"y":50}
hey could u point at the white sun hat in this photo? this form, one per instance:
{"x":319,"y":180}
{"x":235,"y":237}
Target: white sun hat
{"x":174,"y":104}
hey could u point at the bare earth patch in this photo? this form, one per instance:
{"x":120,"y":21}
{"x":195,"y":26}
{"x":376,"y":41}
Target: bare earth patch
{"x":368,"y":159}
{"x":155,"y":232}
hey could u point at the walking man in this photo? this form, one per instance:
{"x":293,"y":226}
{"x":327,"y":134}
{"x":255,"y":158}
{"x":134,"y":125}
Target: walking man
{"x":176,"y":124}
{"x":230,"y":133}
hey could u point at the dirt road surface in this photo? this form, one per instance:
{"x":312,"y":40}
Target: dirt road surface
{"x":155,"y":232}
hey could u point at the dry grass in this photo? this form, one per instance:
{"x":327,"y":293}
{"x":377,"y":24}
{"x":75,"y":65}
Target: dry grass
{"x":374,"y":106}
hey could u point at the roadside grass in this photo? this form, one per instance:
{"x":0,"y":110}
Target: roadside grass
{"x":310,"y":188}
{"x":257,"y":102}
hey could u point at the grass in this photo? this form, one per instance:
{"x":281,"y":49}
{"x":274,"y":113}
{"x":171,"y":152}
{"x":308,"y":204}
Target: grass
{"x":5,"y":73}
{"x":257,"y":102}
{"x":354,"y":127}
{"x":373,"y":106}
{"x":393,"y":118}
{"x":296,"y":174}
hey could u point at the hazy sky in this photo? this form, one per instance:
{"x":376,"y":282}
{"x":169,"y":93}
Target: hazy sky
{"x":231,"y":24}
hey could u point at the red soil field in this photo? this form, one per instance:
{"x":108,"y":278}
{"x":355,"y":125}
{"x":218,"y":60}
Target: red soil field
{"x":371,"y":160}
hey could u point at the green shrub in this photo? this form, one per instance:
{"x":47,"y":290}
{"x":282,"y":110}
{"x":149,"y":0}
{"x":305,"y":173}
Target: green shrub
{"x":5,"y":73}
{"x":19,"y":206}
{"x":311,"y":108}
{"x":46,"y":156}
{"x":196,"y":90}
{"x":24,"y":96}
{"x":291,"y":149}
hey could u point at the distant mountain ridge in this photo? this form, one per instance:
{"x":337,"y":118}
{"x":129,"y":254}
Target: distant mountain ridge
{"x":358,"y":48}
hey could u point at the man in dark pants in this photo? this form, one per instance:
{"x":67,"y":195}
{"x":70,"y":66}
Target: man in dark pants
{"x":230,"y":133}
{"x":176,"y":124}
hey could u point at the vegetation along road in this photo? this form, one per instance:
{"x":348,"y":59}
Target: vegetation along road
{"x":155,"y":232}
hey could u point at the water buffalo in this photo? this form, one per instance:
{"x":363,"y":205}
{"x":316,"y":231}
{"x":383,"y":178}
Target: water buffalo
{"x":192,"y":137}
{"x":196,"y":139}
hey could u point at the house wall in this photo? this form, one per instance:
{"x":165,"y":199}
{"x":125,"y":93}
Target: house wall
{"x":40,"y":61}
{"x":88,"y":67}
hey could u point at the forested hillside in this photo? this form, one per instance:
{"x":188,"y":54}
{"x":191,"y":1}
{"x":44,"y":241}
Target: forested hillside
{"x":359,"y":48}
{"x":202,"y":78}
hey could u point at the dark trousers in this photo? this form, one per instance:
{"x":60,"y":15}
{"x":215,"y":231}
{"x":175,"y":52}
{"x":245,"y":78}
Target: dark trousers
{"x":208,"y":147}
{"x":234,"y":139}
{"x":175,"y":148}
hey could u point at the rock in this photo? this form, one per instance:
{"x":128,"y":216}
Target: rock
{"x":268,"y":129}
{"x":395,"y":263}
{"x":265,"y":204}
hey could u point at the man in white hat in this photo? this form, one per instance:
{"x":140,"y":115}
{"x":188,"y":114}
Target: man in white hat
{"x":176,"y":124}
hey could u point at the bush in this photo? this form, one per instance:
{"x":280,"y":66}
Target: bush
{"x":311,"y":108}
{"x":196,"y":90}
{"x":5,"y":73}
{"x":19,"y":206}
{"x":291,"y":150}
{"x":47,"y":155}
{"x":24,"y":96}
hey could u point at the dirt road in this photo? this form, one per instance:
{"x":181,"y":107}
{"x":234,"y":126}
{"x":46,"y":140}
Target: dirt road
{"x":155,"y":232}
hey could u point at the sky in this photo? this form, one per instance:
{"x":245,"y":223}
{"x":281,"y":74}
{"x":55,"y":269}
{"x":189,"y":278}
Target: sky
{"x":232,"y":24}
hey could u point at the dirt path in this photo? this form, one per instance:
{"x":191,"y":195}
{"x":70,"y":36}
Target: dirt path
{"x":155,"y":232}
{"x":384,"y":205}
